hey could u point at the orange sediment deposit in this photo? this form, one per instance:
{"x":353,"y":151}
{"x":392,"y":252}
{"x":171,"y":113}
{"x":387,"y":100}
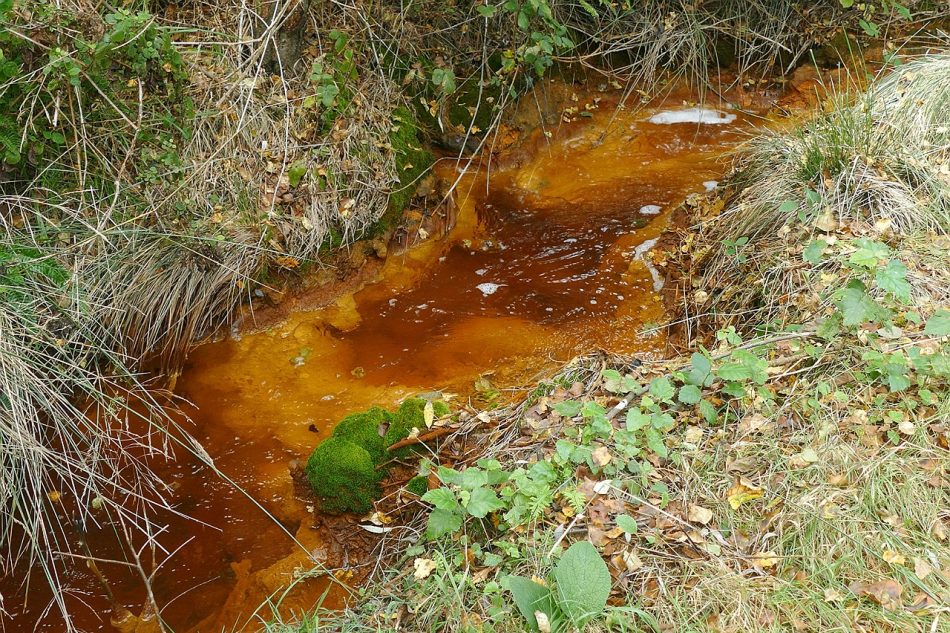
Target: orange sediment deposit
{"x":546,"y":255}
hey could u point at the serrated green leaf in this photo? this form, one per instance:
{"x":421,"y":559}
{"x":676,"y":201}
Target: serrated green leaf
{"x":637,"y":419}
{"x":442,"y":522}
{"x":893,"y":279}
{"x":662,"y":389}
{"x":869,"y":253}
{"x":939,"y":323}
{"x":700,"y":371}
{"x":482,"y":502}
{"x":708,"y":411}
{"x":856,"y":306}
{"x":655,"y":442}
{"x":690,"y":394}
{"x":441,"y":498}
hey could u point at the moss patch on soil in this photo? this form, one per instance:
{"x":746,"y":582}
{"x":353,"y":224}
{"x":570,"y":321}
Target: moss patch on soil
{"x":343,"y":476}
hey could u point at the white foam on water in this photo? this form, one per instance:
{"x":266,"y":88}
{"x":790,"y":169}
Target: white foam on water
{"x":488,"y":288}
{"x":692,"y":115}
{"x":650,"y":209}
{"x":481,"y":271}
{"x":711,"y":185}
{"x":639,"y":251}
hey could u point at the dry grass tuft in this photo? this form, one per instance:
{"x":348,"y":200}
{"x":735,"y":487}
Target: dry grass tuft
{"x":875,"y":167}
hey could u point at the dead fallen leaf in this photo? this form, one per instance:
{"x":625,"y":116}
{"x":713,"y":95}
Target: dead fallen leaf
{"x":699,"y":514}
{"x":544,"y":624}
{"x":886,"y":593}
{"x":631,"y":561}
{"x":892,"y":557}
{"x":423,"y":567}
{"x":922,"y":568}
{"x":601,"y":456}
{"x":742,"y":492}
{"x":752,"y":423}
{"x":833,"y":595}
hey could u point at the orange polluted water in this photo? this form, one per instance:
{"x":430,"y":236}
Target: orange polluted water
{"x":548,"y":259}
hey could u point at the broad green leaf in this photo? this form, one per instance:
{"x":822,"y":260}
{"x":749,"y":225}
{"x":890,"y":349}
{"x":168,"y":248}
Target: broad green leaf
{"x":788,"y":206}
{"x":627,"y":523}
{"x":662,"y":389}
{"x":856,"y":306}
{"x":690,"y":394}
{"x":700,"y":371}
{"x":637,"y":419}
{"x":708,"y":411}
{"x":869,"y":253}
{"x":530,"y":597}
{"x":442,"y":522}
{"x":814,"y":251}
{"x":482,"y":502}
{"x":612,"y":379}
{"x":441,"y":498}
{"x":939,"y":323}
{"x":568,"y":408}
{"x":893,"y":279}
{"x":582,"y":581}
{"x":655,"y":442}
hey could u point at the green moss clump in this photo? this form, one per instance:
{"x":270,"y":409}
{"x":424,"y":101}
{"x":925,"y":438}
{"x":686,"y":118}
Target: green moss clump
{"x":343,"y":476}
{"x":410,"y":415}
{"x":412,"y":161}
{"x":363,"y":430}
{"x":418,"y":485}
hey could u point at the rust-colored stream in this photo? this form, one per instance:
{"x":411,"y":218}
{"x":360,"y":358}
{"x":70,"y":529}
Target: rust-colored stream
{"x":548,"y":261}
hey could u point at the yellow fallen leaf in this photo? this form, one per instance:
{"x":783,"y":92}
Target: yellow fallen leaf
{"x":765,"y":560}
{"x":428,"y":414}
{"x":742,"y":492}
{"x":423,"y":567}
{"x":892,"y":557}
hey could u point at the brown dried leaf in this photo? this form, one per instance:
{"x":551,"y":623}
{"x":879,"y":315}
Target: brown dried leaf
{"x":886,"y":593}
